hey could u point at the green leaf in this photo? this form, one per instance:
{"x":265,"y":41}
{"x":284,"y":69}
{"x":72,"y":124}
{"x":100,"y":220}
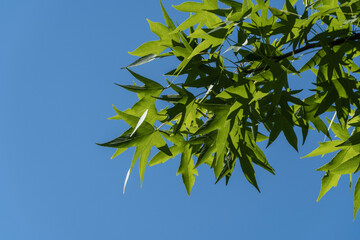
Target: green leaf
{"x":320,"y":126}
{"x":234,"y":4}
{"x":148,"y":50}
{"x":216,"y":121}
{"x":167,"y":18}
{"x":327,"y":102}
{"x":142,"y":60}
{"x":328,"y":181}
{"x":274,"y":133}
{"x":222,"y":136}
{"x":248,"y":170}
{"x":339,"y":131}
{"x":357,"y":197}
{"x":162,"y":31}
{"x":187,"y":168}
{"x":207,"y":43}
{"x":324,"y":148}
{"x":132,"y":120}
{"x":197,"y":7}
{"x":206,"y":154}
{"x":228,"y":167}
{"x":353,"y":140}
{"x":341,"y":157}
{"x":202,"y":18}
{"x":118,"y":152}
{"x":347,"y":167}
{"x":258,"y":157}
{"x":261,"y":137}
{"x":245,"y":163}
{"x":162,"y":157}
{"x":289,"y":132}
{"x":150,"y":84}
{"x":315,"y":60}
{"x":189,"y":22}
{"x":160,"y":144}
{"x":143,"y":150}
{"x":125,"y":141}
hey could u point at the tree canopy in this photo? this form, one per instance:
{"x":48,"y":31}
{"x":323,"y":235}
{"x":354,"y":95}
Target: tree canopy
{"x":230,"y":89}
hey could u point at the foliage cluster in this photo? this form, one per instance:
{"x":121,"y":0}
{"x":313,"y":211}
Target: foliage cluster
{"x":216,"y":111}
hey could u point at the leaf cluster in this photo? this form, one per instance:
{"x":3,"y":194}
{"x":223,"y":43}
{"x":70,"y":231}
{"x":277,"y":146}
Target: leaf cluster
{"x":239,"y":57}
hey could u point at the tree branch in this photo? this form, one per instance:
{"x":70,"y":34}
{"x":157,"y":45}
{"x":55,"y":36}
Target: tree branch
{"x":339,"y":41}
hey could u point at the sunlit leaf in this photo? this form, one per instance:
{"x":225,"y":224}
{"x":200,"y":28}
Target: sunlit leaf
{"x":187,"y":169}
{"x":357,"y":197}
{"x":347,"y":167}
{"x":328,"y":181}
{"x":167,"y":18}
{"x":340,"y":157}
{"x":324,"y":148}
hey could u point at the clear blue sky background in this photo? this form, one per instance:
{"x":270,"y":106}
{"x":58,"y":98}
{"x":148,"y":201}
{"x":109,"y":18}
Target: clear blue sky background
{"x":58,"y":63}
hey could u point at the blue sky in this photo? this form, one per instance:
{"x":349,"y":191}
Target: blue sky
{"x":58,"y":63}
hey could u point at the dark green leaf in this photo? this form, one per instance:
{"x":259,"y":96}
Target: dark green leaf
{"x":352,"y":140}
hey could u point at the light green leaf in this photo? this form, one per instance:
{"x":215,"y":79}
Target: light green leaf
{"x":357,"y":197}
{"x":234,"y":4}
{"x":197,"y":7}
{"x":149,"y":49}
{"x":143,"y":151}
{"x":161,"y":157}
{"x":167,"y":18}
{"x":159,"y":29}
{"x":118,"y":152}
{"x":190,"y":7}
{"x":339,"y":131}
{"x":315,"y":60}
{"x":203,"y":18}
{"x":131,"y":120}
{"x":210,"y":125}
{"x":324,"y":148}
{"x":328,"y":181}
{"x":187,"y":168}
{"x":341,"y":157}
{"x":189,"y":22}
{"x":221,"y":140}
{"x":261,"y":137}
{"x":160,"y":144}
{"x":348,"y":166}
